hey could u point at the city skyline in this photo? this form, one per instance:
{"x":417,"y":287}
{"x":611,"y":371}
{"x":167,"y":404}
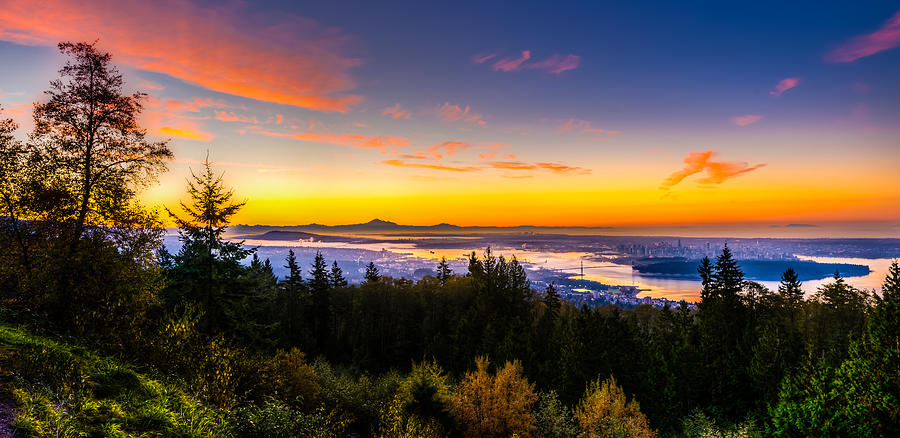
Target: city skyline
{"x":637,"y":115}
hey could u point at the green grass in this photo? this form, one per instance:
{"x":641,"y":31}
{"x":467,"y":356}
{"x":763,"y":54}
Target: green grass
{"x":62,"y":390}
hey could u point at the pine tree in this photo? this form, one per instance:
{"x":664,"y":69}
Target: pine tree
{"x":337,"y":276}
{"x":293,"y":282}
{"x":319,"y":285}
{"x":707,"y":278}
{"x":292,"y":286}
{"x":207,"y":266}
{"x":319,"y":281}
{"x":443,"y":271}
{"x":372,"y":273}
{"x":790,"y":287}
{"x":729,"y":277}
{"x":551,"y":299}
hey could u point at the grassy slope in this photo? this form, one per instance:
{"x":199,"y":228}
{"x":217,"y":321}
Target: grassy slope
{"x":64,"y":390}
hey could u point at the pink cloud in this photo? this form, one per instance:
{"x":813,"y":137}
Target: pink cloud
{"x":396,"y":112}
{"x":291,"y":60}
{"x":717,"y":172}
{"x":557,"y":64}
{"x":512,"y":64}
{"x":784,"y":85}
{"x":226,"y":116}
{"x":481,"y":59}
{"x":279,"y":119}
{"x":399,"y":163}
{"x":886,"y":37}
{"x":358,"y":141}
{"x":453,"y":113}
{"x":745,"y":120}
{"x":585,"y":127}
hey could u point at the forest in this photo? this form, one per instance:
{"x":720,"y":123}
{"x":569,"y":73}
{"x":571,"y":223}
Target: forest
{"x":105,"y":333}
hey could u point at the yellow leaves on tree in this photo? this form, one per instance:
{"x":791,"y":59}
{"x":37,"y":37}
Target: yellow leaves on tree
{"x":497,"y":405}
{"x":292,"y":379}
{"x":605,"y":412}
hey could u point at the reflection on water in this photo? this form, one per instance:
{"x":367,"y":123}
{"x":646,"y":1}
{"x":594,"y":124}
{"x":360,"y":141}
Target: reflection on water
{"x":605,"y":272}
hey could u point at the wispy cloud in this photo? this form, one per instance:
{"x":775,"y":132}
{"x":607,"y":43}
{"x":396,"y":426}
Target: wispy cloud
{"x":557,"y":64}
{"x":481,"y":59}
{"x":396,"y":112}
{"x":747,"y":119}
{"x":186,"y":131}
{"x":358,"y":141}
{"x":886,"y":37}
{"x":552,"y":167}
{"x":586,"y":127}
{"x":556,"y":168}
{"x":454,"y":113}
{"x":226,"y":116}
{"x":399,"y":163}
{"x":784,"y":85}
{"x":717,"y":172}
{"x":290,"y":60}
{"x":512,"y":63}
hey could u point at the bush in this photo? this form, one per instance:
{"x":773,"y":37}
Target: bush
{"x":497,"y":405}
{"x":554,"y":419}
{"x":605,"y":412}
{"x":291,"y":379}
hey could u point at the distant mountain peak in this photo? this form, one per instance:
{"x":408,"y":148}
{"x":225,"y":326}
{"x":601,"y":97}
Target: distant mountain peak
{"x":379,"y":222}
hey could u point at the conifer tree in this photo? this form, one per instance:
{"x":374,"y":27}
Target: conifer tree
{"x":293,"y":282}
{"x":729,"y":277}
{"x":707,"y":278}
{"x":337,"y":276}
{"x":207,"y":266}
{"x":319,"y":285}
{"x":443,"y":271}
{"x":551,"y":299}
{"x":292,"y":287}
{"x":372,"y":273}
{"x":790,"y":287}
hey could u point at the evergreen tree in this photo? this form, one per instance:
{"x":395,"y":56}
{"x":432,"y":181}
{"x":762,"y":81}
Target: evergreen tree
{"x":729,"y":278}
{"x":207,"y":267}
{"x":707,"y":278}
{"x":293,"y":282}
{"x":319,"y":285}
{"x":337,"y":276}
{"x":371,"y":273}
{"x":790,"y":287}
{"x":292,"y":287}
{"x":443,"y":271}
{"x":551,"y":299}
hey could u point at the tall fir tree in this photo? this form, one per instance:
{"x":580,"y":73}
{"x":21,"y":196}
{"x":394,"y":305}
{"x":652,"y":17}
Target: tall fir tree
{"x":729,"y":278}
{"x":551,"y":299}
{"x":337,"y":276}
{"x":207,"y":267}
{"x":319,"y":285}
{"x":371,"y":273}
{"x":292,"y":288}
{"x":707,"y":278}
{"x":443,"y":271}
{"x":790,"y":286}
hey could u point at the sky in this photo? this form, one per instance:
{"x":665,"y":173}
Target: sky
{"x":621,"y":114}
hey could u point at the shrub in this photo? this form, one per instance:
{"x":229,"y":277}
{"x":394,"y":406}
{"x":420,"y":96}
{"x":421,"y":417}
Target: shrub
{"x":497,"y":405}
{"x":605,"y":412}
